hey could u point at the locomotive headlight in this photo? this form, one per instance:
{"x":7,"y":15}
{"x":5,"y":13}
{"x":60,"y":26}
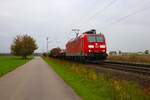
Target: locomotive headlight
{"x":90,"y":46}
{"x":102,"y":46}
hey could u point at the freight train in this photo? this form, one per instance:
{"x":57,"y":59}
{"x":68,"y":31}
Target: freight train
{"x":87,"y":46}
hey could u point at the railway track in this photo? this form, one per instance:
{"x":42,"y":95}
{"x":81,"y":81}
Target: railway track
{"x":128,"y":67}
{"x":143,"y":69}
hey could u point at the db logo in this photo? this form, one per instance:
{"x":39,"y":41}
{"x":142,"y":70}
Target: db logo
{"x":96,"y":46}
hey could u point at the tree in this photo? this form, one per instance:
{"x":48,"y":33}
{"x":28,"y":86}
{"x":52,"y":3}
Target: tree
{"x":23,"y":45}
{"x":120,"y":52}
{"x":146,"y":51}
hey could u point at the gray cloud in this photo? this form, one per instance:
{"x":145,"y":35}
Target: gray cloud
{"x":56,"y":18}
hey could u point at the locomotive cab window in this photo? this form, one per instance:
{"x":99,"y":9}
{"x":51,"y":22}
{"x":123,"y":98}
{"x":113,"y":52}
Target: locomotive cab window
{"x":99,"y":39}
{"x":92,"y":38}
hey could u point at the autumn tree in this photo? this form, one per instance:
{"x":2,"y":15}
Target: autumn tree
{"x":23,"y":45}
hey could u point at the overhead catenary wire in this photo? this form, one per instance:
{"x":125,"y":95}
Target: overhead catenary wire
{"x":99,"y":11}
{"x":127,"y":16}
{"x":102,"y":10}
{"x":117,"y":20}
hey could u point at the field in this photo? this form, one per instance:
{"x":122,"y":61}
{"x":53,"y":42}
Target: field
{"x":9,"y":63}
{"x":92,"y":86}
{"x":131,"y":58}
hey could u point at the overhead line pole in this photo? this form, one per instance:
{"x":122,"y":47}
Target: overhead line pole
{"x":47,"y":43}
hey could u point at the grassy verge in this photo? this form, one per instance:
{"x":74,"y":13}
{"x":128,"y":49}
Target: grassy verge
{"x":131,"y":58}
{"x":91,"y":86}
{"x":9,"y":63}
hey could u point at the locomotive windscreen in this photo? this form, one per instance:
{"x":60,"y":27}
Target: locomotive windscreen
{"x":93,"y":38}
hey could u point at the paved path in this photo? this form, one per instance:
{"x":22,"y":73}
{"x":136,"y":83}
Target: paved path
{"x":34,"y":81}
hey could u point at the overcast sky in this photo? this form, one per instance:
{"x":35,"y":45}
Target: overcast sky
{"x":125,"y":23}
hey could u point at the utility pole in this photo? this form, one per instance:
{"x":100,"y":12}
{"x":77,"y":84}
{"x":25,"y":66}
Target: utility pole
{"x":76,"y":31}
{"x":47,"y":42}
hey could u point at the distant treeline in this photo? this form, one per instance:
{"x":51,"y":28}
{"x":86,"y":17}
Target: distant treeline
{"x":5,"y":54}
{"x":9,"y":54}
{"x":146,"y":52}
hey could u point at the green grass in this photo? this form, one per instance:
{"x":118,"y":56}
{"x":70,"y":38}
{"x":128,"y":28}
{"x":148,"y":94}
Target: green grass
{"x":90,"y":86}
{"x":9,"y":63}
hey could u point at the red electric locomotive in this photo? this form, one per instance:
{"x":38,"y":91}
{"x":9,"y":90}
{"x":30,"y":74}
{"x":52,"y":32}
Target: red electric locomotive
{"x":88,"y":46}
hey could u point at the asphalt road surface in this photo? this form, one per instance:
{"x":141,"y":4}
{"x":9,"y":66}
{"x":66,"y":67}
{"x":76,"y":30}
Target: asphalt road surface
{"x":35,"y":81}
